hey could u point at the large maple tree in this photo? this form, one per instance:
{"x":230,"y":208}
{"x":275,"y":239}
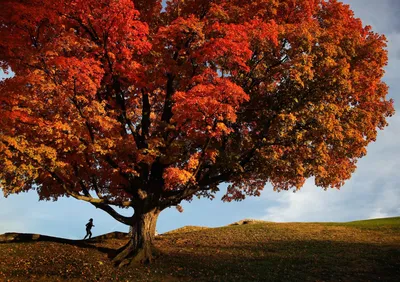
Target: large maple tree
{"x":131,"y":104}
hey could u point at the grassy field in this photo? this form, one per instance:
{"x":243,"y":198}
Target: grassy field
{"x":354,"y":251}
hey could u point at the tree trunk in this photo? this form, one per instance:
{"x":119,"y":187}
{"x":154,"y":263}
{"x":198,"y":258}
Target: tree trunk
{"x":139,"y":248}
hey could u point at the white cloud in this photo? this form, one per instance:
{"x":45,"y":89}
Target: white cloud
{"x":363,"y":197}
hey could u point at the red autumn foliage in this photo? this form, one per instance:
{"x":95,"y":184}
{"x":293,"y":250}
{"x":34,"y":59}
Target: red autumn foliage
{"x":145,"y":107}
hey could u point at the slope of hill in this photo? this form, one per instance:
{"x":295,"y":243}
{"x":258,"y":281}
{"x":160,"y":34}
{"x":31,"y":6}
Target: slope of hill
{"x":354,"y":251}
{"x":379,"y":223}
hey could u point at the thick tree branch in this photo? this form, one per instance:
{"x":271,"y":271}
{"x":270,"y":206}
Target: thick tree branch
{"x":167,"y":112}
{"x":102,"y":204}
{"x":86,"y":121}
{"x":175,"y":197}
{"x":92,"y":34}
{"x":145,"y":114}
{"x":123,"y":219}
{"x":123,"y":118}
{"x":88,"y":198}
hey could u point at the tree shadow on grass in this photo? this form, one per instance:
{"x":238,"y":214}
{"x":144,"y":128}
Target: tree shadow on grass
{"x":8,"y":238}
{"x":288,"y":261}
{"x":284,"y":260}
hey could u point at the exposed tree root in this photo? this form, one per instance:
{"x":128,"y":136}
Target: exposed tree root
{"x":130,"y":254}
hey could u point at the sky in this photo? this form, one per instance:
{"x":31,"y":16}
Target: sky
{"x":372,"y":192}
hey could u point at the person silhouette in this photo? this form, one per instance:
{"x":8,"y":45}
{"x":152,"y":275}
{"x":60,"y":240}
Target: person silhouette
{"x":89,"y":226}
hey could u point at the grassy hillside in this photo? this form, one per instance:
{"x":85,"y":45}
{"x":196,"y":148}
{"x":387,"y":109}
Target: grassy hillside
{"x":381,"y":223}
{"x":354,"y":251}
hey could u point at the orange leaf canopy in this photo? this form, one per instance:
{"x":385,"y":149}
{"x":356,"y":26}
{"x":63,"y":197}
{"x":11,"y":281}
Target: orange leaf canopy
{"x":138,"y":104}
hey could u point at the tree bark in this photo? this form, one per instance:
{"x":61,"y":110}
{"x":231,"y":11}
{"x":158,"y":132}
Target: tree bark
{"x":139,"y":248}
